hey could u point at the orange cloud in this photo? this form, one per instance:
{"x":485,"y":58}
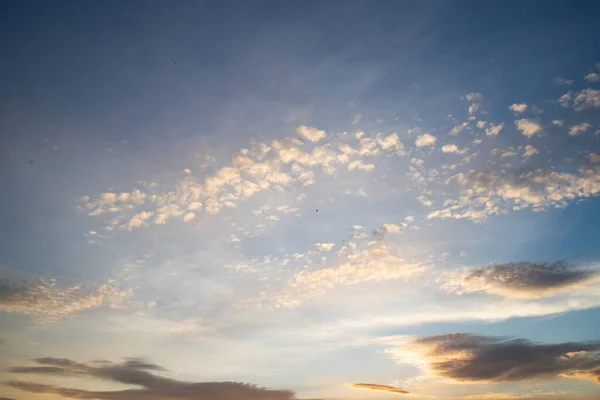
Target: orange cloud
{"x":374,"y":386}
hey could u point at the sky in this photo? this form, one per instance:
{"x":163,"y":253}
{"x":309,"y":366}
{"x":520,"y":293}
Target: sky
{"x":294,"y":200}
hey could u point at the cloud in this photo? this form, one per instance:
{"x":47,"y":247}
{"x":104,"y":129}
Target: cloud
{"x":458,"y":128}
{"x":475,"y":99}
{"x":592,"y":77}
{"x":47,"y":303}
{"x":324,"y":247}
{"x":594,"y":158}
{"x":530,"y":151}
{"x":494,"y":130}
{"x":384,"y":388}
{"x":150,"y":379}
{"x":518,"y":107}
{"x":558,"y":122}
{"x":465,"y":357}
{"x":580,"y":128}
{"x":351,"y":266}
{"x":309,"y":133}
{"x":586,"y":98}
{"x":111,"y":202}
{"x":484,"y":193}
{"x":562,"y":81}
{"x":524,"y":279}
{"x":452,"y":148}
{"x":272,"y":167}
{"x":510,"y":152}
{"x":425,"y":140}
{"x":528,"y":127}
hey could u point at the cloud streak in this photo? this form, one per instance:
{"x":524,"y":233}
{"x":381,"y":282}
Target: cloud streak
{"x":383,"y":388}
{"x":147,"y":376}
{"x":46,"y":302}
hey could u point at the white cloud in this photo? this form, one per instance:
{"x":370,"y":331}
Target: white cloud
{"x":481,"y":124}
{"x":452,"y":148}
{"x":494,"y":130}
{"x":518,"y":107}
{"x":189,"y":216}
{"x":528,"y":127}
{"x":592,"y":77}
{"x":138,"y":220}
{"x":530,"y":151}
{"x":458,"y":128}
{"x":309,"y":133}
{"x":558,"y":122}
{"x":586,"y":98}
{"x":484,"y":194}
{"x":324,"y":247}
{"x":112,"y":202}
{"x":425,"y":140}
{"x":580,"y":128}
{"x":425,"y":201}
{"x":475,"y":99}
{"x":392,"y":228}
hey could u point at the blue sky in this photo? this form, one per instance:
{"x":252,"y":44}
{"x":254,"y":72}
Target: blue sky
{"x":328,"y":200}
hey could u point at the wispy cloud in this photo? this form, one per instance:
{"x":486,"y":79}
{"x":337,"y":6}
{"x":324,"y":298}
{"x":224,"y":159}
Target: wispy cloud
{"x":45,"y":301}
{"x":383,"y":388}
{"x":579,"y":128}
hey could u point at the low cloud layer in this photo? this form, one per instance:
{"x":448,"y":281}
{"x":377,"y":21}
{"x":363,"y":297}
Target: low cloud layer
{"x":152,"y":385}
{"x":465,"y":357}
{"x":523,"y":279}
{"x":384,"y":388}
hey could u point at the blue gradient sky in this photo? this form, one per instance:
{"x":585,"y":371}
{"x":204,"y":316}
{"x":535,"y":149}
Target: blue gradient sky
{"x":440,"y":142}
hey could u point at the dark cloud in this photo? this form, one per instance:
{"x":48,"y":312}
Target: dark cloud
{"x":470,"y":357}
{"x":524,"y":278}
{"x":135,"y":371}
{"x":375,"y":386}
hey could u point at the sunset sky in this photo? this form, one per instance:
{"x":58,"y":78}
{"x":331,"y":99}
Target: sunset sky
{"x":293,"y":200}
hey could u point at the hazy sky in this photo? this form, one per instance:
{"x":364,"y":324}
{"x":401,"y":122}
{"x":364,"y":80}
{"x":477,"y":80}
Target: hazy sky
{"x":299,"y":200}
